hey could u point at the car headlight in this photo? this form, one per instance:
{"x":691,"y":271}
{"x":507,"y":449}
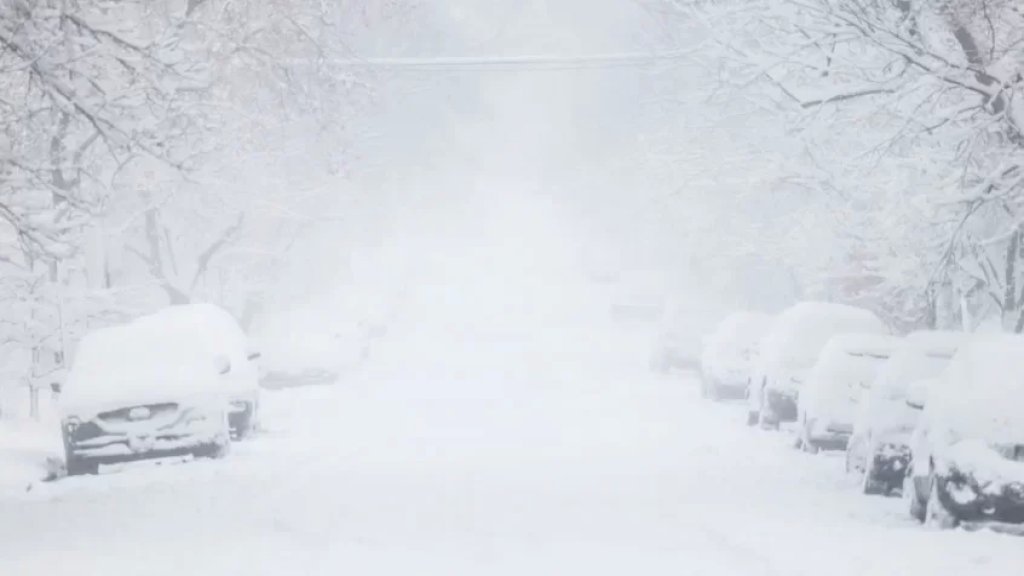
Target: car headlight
{"x":71,"y":423}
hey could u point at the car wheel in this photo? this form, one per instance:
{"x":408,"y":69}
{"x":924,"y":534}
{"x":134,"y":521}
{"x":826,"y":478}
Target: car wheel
{"x":712,"y":392}
{"x":914,"y":505}
{"x":247,"y":423}
{"x":215,"y":450}
{"x":752,"y":418}
{"x":937,"y":514}
{"x":871,"y":485}
{"x":82,"y":467}
{"x":807,"y":444}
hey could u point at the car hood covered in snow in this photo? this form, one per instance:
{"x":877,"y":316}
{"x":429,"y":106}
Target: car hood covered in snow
{"x":133,"y":364}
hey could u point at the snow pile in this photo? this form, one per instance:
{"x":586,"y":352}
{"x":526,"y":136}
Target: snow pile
{"x":847,"y":367}
{"x":139,"y":363}
{"x":29,"y":450}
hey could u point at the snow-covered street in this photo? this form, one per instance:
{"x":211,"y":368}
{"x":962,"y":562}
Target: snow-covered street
{"x":553,"y":468}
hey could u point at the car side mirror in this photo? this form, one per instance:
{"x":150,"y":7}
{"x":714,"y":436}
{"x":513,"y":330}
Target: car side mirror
{"x":917,"y":394}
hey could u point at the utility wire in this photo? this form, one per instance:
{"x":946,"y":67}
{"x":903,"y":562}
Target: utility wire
{"x":511,"y":63}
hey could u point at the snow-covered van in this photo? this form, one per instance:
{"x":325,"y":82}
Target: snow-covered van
{"x":217,"y":330}
{"x":968,"y":447}
{"x":730,"y":352}
{"x":880,"y":446}
{"x":135,"y":393}
{"x":845,"y":370}
{"x":789,"y":351}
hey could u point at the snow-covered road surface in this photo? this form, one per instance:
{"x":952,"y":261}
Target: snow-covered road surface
{"x":549,"y":469}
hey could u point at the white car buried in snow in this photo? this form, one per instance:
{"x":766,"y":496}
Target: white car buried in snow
{"x":134,"y":393}
{"x":968,"y":449}
{"x":843,"y":373}
{"x":789,"y":351}
{"x":730,"y":352}
{"x":880,"y":446}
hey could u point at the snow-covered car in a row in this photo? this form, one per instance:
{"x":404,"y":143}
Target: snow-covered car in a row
{"x":178,"y":382}
{"x":967,"y":451}
{"x":730,"y":353}
{"x":880,"y":446}
{"x":789,"y":351}
{"x":828,"y":401}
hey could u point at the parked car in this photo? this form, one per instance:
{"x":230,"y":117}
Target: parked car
{"x":828,"y":401}
{"x":218,"y":331}
{"x":968,"y":448}
{"x":880,"y":446}
{"x":730,"y":352}
{"x":789,"y":351}
{"x":133,"y":393}
{"x":303,"y":348}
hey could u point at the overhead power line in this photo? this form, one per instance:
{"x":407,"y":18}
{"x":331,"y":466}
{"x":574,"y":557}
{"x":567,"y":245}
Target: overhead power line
{"x":521,"y":62}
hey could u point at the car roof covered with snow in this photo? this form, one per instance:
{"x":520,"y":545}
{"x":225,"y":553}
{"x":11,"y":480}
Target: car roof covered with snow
{"x":214,"y":326}
{"x":921,"y":355}
{"x":742,"y":328}
{"x":800,"y":332}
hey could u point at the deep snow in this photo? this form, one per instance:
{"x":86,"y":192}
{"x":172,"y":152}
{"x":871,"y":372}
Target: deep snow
{"x":443,"y":466}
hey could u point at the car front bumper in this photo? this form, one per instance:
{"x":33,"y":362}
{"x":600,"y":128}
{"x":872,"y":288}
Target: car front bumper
{"x":99,"y":442}
{"x":889,"y":465}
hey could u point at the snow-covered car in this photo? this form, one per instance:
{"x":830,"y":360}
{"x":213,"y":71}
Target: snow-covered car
{"x":133,"y":393}
{"x":730,"y":352}
{"x":303,"y":348}
{"x":789,"y":351}
{"x":682,"y":335}
{"x":220,"y":334}
{"x":828,"y":400}
{"x":880,"y":446}
{"x":967,"y":460}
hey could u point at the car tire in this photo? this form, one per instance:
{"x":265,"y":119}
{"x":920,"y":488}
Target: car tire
{"x":82,"y":467}
{"x":248,"y":426}
{"x":937,"y":515}
{"x":753,"y":417}
{"x":807,"y":444}
{"x":214,"y":450}
{"x":910,"y":495}
{"x":713,"y":391}
{"x":869,"y":484}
